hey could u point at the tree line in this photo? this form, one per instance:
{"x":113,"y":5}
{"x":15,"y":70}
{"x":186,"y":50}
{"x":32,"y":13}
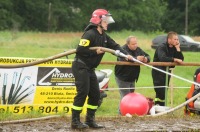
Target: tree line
{"x":74,"y":15}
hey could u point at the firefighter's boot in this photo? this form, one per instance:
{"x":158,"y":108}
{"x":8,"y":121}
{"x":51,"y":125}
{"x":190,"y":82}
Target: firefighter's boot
{"x":159,"y":102}
{"x":90,"y":120}
{"x":76,"y":123}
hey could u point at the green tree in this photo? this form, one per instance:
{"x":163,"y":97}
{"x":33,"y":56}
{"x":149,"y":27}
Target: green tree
{"x":33,"y":13}
{"x":194,"y":17}
{"x":7,"y":15}
{"x":174,"y":17}
{"x":144,"y":15}
{"x":74,"y":15}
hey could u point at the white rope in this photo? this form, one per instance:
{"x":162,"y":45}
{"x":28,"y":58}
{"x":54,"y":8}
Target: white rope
{"x":144,"y":88}
{"x":110,"y":51}
{"x":177,"y":107}
{"x":181,"y":78}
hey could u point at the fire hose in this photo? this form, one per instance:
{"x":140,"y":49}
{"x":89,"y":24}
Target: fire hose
{"x":117,"y":53}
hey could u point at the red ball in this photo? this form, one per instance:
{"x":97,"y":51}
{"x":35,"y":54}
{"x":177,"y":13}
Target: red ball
{"x":134,"y":104}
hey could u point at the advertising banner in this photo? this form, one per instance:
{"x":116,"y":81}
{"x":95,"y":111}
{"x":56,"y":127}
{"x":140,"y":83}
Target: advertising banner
{"x":47,"y":88}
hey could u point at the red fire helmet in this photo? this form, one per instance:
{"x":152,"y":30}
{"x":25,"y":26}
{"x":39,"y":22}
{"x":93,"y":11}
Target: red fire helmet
{"x":197,"y":75}
{"x":101,"y":14}
{"x":198,"y":78}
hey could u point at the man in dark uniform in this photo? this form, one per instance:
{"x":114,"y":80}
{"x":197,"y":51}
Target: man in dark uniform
{"x":126,"y":75}
{"x":84,"y":64}
{"x":194,"y":90}
{"x":166,"y":52}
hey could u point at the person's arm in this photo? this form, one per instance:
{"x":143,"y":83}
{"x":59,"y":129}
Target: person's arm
{"x":146,"y":58}
{"x":163,"y":57}
{"x":113,"y":45}
{"x":162,"y":54}
{"x":85,"y":44}
{"x":178,"y":57}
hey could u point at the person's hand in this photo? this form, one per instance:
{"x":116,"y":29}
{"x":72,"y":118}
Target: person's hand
{"x":145,"y":60}
{"x":129,"y":57}
{"x":178,"y":60}
{"x":177,"y":46}
{"x":141,"y":58}
{"x":99,"y":50}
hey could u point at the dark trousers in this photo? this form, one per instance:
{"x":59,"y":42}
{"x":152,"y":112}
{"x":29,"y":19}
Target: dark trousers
{"x":159,"y":79}
{"x":86,"y":85}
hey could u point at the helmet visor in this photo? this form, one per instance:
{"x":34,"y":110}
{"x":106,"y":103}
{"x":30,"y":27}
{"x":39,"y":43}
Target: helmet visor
{"x":108,"y":19}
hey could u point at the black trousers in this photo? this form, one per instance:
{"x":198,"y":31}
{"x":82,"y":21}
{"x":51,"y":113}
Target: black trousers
{"x":86,"y":84}
{"x":159,"y":79}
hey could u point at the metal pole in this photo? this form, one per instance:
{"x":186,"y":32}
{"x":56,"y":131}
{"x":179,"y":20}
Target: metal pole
{"x":171,"y":88}
{"x":166,"y":84}
{"x":49,"y":18}
{"x":186,"y":17}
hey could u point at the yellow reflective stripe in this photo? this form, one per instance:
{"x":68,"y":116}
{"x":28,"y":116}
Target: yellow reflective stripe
{"x":77,"y":108}
{"x":84,"y":42}
{"x":157,"y":99}
{"x":192,"y":114}
{"x":92,"y":107}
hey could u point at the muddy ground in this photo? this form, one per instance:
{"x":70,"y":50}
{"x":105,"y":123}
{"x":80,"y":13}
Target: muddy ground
{"x":112,"y":124}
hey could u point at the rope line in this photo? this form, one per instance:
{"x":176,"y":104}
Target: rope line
{"x":150,"y":63}
{"x":181,"y":78}
{"x":137,"y":88}
{"x":72,"y":51}
{"x":117,"y":53}
{"x":177,"y":107}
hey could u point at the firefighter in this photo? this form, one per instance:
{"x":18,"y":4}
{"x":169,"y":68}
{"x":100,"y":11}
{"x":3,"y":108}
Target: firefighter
{"x":194,"y":89}
{"x":84,"y":65}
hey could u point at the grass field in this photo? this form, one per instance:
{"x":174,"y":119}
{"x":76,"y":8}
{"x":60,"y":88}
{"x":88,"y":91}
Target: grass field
{"x":42,"y":45}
